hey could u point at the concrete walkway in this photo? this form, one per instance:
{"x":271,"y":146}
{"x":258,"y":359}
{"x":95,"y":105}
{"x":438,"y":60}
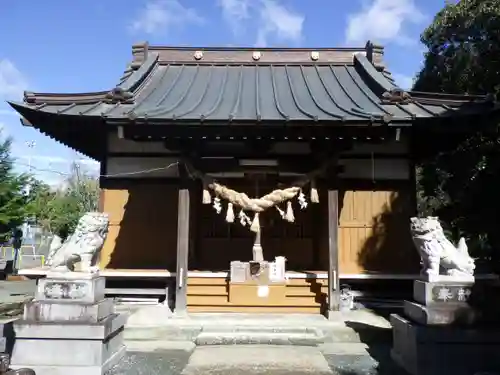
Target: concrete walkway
{"x":185,"y":359}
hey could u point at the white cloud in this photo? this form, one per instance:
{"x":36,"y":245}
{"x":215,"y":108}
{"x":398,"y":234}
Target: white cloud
{"x":160,"y":16}
{"x":12,"y":81}
{"x":403,"y":81}
{"x":234,"y":12}
{"x":383,"y":21}
{"x":272,"y":20}
{"x":280,"y":22}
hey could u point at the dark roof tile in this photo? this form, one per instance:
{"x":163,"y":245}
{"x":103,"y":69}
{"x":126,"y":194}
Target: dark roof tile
{"x":169,"y":84}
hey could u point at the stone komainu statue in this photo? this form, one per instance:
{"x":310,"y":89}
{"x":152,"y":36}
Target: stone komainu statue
{"x":84,"y":245}
{"x":439,"y":255}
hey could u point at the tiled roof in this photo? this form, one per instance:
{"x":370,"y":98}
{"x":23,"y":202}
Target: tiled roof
{"x":238,"y":85}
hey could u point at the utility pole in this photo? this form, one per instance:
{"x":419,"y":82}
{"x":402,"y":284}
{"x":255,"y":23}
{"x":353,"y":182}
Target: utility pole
{"x":31,"y":145}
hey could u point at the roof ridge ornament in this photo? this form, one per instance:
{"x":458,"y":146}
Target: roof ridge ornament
{"x":396,"y":96}
{"x":29,"y":97}
{"x":119,"y":95}
{"x":374,"y":53}
{"x":140,"y":54}
{"x":198,"y":55}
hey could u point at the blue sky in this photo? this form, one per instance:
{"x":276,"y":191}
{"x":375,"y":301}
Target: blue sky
{"x":84,"y":45}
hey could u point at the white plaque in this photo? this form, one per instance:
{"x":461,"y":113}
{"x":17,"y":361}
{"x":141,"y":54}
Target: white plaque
{"x":273,"y":272}
{"x":262,"y":291}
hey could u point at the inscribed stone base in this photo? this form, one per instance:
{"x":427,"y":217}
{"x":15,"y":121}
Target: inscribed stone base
{"x":79,"y":347}
{"x":70,"y":288}
{"x":442,"y":292}
{"x":68,"y":330}
{"x":427,"y":350}
{"x":441,"y":315}
{"x":48,"y":311}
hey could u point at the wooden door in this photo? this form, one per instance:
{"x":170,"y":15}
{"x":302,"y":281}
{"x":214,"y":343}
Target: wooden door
{"x":374,"y":234}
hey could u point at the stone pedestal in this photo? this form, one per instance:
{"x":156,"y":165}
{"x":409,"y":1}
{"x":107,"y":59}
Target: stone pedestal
{"x":440,"y":333}
{"x":441,"y":303}
{"x":69,"y":328}
{"x":440,"y":350}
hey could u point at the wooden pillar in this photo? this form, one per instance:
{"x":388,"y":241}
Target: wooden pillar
{"x":333,"y":252}
{"x":413,"y":172}
{"x":182,"y":244}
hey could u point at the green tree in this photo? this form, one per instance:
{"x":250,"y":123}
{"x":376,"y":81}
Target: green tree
{"x":58,"y":210}
{"x":460,"y":184}
{"x":13,"y":210}
{"x":463,"y":49}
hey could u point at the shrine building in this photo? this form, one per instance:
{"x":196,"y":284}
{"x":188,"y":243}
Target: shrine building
{"x":189,"y":138}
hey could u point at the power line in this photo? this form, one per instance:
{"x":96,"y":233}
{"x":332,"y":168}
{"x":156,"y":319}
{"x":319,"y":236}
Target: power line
{"x":67,"y":174}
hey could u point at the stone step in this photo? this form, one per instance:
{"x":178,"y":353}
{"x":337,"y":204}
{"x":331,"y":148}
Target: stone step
{"x":338,"y":334}
{"x":257,"y":338}
{"x":263,"y":329}
{"x":162,"y":333}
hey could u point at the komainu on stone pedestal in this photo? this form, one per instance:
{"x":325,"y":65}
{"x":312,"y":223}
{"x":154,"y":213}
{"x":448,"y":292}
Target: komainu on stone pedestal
{"x":441,"y":331}
{"x":439,"y":255}
{"x":84,"y":245}
{"x":70,"y":327}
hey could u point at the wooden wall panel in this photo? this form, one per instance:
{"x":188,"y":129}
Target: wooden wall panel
{"x":143,"y":227}
{"x":374,"y":232}
{"x":373,"y":235}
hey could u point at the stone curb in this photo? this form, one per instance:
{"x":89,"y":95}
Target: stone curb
{"x":241,"y":335}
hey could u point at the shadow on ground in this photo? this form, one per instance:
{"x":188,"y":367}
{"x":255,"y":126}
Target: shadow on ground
{"x":377,"y":362}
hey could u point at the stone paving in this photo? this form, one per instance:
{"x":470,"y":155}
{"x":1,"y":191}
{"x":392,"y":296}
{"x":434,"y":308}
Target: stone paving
{"x":259,"y":360}
{"x":170,"y":362}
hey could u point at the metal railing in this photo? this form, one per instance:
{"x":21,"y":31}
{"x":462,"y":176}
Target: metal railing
{"x":27,"y":257}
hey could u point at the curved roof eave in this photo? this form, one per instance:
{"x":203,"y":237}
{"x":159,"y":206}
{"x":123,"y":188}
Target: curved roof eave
{"x":342,"y":92}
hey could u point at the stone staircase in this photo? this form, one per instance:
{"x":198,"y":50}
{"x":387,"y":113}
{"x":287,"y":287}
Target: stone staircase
{"x":271,"y":329}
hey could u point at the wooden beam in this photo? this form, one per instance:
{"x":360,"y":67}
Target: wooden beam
{"x":290,"y":164}
{"x":333,"y":251}
{"x":182,"y":244}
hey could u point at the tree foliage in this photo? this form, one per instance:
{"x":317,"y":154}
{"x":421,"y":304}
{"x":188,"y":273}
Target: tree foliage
{"x":58,"y":211}
{"x":12,"y":197}
{"x":463,"y":45}
{"x":461,"y":185}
